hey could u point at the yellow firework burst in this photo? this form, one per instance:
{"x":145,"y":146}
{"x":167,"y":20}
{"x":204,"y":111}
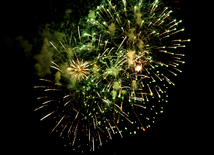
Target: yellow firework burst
{"x":78,"y":70}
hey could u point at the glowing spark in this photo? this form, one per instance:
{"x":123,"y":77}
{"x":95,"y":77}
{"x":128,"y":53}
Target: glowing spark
{"x":78,"y":70}
{"x":138,"y":68}
{"x":115,"y":72}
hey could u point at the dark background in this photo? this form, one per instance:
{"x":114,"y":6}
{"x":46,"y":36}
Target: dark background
{"x":28,"y":135}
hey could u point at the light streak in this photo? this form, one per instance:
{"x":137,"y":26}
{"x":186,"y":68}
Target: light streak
{"x":110,"y":4}
{"x":109,"y":133}
{"x":58,"y":123}
{"x":46,"y":80}
{"x":171,"y":22}
{"x":119,"y":18}
{"x":52,"y":89}
{"x":100,"y":15}
{"x":157,"y":93}
{"x":54,"y":47}
{"x":138,"y":105}
{"x":177,"y":31}
{"x":135,"y":11}
{"x":110,"y":126}
{"x":55,"y":64}
{"x":120,"y":61}
{"x":89,"y":135}
{"x":119,"y":131}
{"x":105,"y":10}
{"x":91,"y":82}
{"x":110,"y":51}
{"x":138,"y":119}
{"x":63,"y":46}
{"x":63,"y":129}
{"x":110,"y":13}
{"x":124,"y":3}
{"x":57,"y":69}
{"x":122,"y":43}
{"x":40,"y":87}
{"x":93,"y":142}
{"x":99,"y":138}
{"x":47,"y":115}
{"x":153,"y":7}
{"x":42,"y":97}
{"x":40,"y":107}
{"x":75,"y":133}
{"x":163,"y":11}
{"x":174,"y":24}
{"x":67,"y":102}
{"x":99,"y":42}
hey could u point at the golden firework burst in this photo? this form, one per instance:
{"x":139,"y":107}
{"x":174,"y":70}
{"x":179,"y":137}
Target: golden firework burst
{"x":78,"y":70}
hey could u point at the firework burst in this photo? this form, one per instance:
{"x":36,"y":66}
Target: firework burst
{"x":124,"y":64}
{"x":78,"y":70}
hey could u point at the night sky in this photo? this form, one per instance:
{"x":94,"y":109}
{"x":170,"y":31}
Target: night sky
{"x":21,"y":42}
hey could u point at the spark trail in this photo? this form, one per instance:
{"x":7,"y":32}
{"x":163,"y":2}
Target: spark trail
{"x":116,"y":76}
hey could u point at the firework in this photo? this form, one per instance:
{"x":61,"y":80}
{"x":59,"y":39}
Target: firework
{"x":109,"y":76}
{"x":78,"y":70}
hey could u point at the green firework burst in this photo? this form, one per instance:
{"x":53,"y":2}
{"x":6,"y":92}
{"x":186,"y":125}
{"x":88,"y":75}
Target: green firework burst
{"x":108,"y":74}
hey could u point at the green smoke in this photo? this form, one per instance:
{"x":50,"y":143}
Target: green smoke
{"x":44,"y":59}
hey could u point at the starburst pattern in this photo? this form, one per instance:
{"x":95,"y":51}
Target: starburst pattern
{"x":125,"y":63}
{"x":78,"y":70}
